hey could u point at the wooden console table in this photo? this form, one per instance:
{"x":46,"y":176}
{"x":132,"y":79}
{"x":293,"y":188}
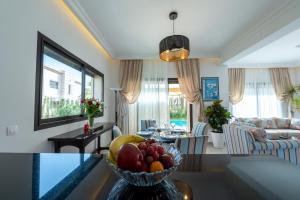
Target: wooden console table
{"x":79,"y":139}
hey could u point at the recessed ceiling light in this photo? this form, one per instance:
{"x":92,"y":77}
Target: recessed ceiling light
{"x":298,"y":46}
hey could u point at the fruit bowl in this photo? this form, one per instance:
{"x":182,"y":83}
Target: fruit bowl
{"x":148,"y":178}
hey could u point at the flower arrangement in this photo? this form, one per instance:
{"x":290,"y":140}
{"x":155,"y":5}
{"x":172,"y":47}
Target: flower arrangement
{"x":91,"y":107}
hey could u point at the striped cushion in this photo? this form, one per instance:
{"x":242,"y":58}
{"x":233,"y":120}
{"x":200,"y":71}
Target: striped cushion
{"x":192,"y":145}
{"x":199,"y":129}
{"x":237,"y":139}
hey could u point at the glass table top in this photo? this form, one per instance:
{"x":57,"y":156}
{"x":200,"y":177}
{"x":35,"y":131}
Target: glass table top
{"x":87,"y":176}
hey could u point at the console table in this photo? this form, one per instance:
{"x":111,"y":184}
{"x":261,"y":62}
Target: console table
{"x":79,"y":139}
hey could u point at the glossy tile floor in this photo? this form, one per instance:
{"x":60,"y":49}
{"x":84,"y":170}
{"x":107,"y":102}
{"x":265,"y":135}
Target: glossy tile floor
{"x":212,"y":150}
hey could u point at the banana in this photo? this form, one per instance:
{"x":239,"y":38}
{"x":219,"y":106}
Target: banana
{"x":116,"y":144}
{"x":109,"y":157}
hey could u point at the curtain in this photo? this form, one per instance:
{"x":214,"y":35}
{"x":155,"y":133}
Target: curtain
{"x":236,"y":84}
{"x":189,"y":81}
{"x":131,"y":71}
{"x":281,"y":81}
{"x":153,"y":100}
{"x":259,"y":99}
{"x":131,"y":79}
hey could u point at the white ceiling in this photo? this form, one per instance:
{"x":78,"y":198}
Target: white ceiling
{"x":132,"y":29}
{"x":282,"y":51}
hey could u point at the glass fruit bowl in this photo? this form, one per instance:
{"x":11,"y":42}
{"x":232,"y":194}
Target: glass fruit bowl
{"x":148,"y":178}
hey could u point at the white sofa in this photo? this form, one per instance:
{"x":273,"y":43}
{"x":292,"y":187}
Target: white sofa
{"x":275,"y":127}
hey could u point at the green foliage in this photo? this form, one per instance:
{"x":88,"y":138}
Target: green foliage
{"x":178,"y":113}
{"x":295,"y":97}
{"x":217,"y":115}
{"x":62,"y":108}
{"x":177,"y":107}
{"x":296,"y":102}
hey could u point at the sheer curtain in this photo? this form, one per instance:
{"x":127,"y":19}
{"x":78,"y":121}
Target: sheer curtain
{"x":259,"y":98}
{"x":153,"y":101}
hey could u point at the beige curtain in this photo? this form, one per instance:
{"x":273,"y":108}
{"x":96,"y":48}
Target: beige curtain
{"x":281,"y":81}
{"x":236,"y":84}
{"x":189,"y":82}
{"x":131,"y":79}
{"x":131,"y":72}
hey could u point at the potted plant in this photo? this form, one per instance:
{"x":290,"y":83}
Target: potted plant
{"x":216,"y":116}
{"x":91,"y":107}
{"x":294,"y":94}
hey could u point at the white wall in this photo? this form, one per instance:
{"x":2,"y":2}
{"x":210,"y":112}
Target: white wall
{"x":20,"y":21}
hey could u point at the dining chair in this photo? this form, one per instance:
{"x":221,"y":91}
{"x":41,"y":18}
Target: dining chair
{"x":200,"y":129}
{"x":116,"y":131}
{"x":192,"y":145}
{"x":145,"y":124}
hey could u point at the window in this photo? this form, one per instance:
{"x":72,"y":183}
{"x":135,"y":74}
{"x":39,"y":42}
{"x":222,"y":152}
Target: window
{"x":89,"y":86}
{"x":180,"y":110}
{"x":53,"y":84}
{"x":259,"y":98}
{"x":62,"y":80}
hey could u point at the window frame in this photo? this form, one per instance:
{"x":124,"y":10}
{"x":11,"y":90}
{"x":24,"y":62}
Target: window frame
{"x":87,"y":73}
{"x":39,"y":123}
{"x":175,"y":81}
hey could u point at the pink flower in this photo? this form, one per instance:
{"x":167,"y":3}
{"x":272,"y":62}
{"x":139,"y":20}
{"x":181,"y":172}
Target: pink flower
{"x":82,"y":101}
{"x":90,"y":102}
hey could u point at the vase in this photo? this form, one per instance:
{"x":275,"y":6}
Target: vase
{"x":91,"y":121}
{"x":218,"y":140}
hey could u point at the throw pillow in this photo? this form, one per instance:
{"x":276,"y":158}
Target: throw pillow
{"x":254,"y":121}
{"x":295,"y":124}
{"x":247,"y":124}
{"x":283,"y":123}
{"x":268,"y":123}
{"x":258,"y":134}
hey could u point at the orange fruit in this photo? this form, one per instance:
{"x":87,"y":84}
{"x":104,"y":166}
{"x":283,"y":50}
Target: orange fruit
{"x":156,"y":166}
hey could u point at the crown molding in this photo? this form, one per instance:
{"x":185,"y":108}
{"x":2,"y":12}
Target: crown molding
{"x":264,"y":65}
{"x":268,"y":29}
{"x":77,"y":9}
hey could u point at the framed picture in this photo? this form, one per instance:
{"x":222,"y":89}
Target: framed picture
{"x":210,"y":88}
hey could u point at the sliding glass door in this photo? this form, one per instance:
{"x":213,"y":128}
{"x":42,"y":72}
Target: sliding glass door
{"x":179,"y":109}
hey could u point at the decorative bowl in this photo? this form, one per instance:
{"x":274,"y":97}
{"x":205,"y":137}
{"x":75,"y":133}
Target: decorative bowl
{"x":148,"y":178}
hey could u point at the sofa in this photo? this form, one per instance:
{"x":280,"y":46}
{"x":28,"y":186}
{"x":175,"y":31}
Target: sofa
{"x":276,"y":128}
{"x":240,"y":140}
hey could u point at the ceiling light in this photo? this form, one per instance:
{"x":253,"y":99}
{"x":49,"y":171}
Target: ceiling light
{"x":298,"y":46}
{"x":174,"y":47}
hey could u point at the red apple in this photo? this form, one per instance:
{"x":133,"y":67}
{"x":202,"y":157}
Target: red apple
{"x":130,"y":158}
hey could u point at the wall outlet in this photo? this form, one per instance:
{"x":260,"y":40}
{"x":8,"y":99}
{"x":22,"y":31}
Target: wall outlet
{"x":12,"y":130}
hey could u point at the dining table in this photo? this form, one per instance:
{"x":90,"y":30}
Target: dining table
{"x":164,"y":135}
